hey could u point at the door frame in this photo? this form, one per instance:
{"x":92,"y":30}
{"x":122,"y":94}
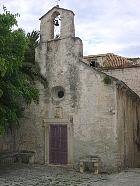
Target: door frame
{"x":46,"y":124}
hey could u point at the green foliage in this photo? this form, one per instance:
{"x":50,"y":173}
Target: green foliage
{"x":16,"y":89}
{"x":33,"y":38}
{"x":107,"y":80}
{"x":30,"y":66}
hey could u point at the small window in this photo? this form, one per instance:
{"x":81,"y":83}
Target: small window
{"x":93,"y":63}
{"x":60,"y":94}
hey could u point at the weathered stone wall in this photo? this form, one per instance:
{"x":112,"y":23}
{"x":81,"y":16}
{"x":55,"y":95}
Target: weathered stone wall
{"x":128,"y":124}
{"x":7,"y":142}
{"x":130,"y":76}
{"x":61,"y":66}
{"x":58,"y":60}
{"x":88,"y":102}
{"x":30,"y":135}
{"x":95,"y":120}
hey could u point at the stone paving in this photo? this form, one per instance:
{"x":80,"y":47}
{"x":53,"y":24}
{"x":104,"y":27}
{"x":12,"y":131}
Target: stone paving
{"x":27,"y":175}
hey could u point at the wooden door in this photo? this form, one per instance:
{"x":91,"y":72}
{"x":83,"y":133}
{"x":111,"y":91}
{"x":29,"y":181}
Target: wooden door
{"x":58,"y":144}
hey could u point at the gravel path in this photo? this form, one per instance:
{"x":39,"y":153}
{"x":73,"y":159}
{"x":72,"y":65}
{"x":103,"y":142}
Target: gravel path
{"x":27,"y":175}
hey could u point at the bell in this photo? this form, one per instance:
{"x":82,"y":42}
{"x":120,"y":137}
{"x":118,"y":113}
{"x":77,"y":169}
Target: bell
{"x":56,"y":23}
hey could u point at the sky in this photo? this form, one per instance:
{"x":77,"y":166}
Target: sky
{"x":105,"y":26}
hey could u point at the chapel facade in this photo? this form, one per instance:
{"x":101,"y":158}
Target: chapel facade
{"x":84,"y":111}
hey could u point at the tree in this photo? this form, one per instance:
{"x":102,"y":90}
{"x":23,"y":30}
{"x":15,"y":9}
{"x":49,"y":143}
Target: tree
{"x":30,"y":66}
{"x":16,"y":89}
{"x":33,"y":39}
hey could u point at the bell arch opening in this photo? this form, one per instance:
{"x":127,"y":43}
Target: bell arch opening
{"x":56,"y":25}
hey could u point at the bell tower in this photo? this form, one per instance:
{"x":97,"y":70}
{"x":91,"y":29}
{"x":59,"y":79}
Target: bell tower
{"x":57,"y":36}
{"x":58,"y":57}
{"x":54,"y":18}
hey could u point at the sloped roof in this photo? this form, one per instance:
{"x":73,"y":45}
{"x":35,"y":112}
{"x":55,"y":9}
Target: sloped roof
{"x":111,"y":60}
{"x":118,"y":83}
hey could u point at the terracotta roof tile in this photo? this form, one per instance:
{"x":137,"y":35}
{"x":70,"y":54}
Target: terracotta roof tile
{"x":110,"y":60}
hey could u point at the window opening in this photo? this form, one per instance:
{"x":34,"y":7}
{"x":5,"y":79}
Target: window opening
{"x":60,"y":94}
{"x":57,"y":26}
{"x":93,"y":63}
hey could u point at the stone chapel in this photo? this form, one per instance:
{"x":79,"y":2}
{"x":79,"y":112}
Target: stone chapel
{"x":84,"y":111}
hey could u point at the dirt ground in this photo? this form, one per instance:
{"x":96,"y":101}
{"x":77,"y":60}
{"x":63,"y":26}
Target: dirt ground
{"x":27,"y":175}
